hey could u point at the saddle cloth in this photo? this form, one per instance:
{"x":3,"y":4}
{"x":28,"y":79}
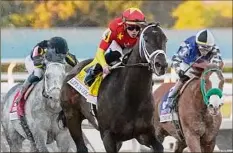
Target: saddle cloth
{"x":90,"y":93}
{"x":165,"y":110}
{"x":18,"y":110}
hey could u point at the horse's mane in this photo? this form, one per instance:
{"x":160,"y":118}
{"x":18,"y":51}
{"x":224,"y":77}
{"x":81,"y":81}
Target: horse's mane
{"x":211,"y":66}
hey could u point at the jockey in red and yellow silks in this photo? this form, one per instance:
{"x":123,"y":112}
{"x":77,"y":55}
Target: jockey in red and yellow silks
{"x":122,"y":32}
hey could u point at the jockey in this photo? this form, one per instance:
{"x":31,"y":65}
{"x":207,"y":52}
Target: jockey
{"x":122,"y":33}
{"x":200,"y":46}
{"x":35,"y":63}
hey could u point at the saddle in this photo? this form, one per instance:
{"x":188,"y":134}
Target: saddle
{"x":90,"y":93}
{"x":18,"y":110}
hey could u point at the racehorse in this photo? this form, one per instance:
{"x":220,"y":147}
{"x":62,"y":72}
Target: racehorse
{"x":198,"y":108}
{"x":124,"y":101}
{"x":41,"y":111}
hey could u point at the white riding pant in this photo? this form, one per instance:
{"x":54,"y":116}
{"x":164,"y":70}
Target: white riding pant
{"x":31,"y":68}
{"x":114,"y":46}
{"x":184,"y":67}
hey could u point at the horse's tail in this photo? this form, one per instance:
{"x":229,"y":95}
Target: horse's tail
{"x":61,"y":117}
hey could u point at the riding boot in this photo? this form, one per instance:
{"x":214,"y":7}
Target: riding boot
{"x":27,"y":83}
{"x":24,"y":88}
{"x":31,"y":79}
{"x":173,"y":93}
{"x":92,"y":72}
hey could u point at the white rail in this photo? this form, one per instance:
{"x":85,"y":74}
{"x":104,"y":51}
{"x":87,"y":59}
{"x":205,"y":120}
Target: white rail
{"x":10,"y":76}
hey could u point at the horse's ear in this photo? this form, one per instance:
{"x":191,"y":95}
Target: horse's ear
{"x":157,"y":24}
{"x":154,"y":23}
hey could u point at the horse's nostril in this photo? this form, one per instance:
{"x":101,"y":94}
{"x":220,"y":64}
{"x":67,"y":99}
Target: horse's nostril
{"x":157,"y":64}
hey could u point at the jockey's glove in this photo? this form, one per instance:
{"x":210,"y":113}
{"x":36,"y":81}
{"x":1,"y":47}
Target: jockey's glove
{"x":71,"y":59}
{"x":181,"y":73}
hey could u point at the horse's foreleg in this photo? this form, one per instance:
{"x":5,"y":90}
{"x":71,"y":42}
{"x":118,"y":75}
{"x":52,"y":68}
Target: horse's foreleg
{"x":110,"y":144}
{"x":33,"y":147}
{"x":156,"y":145}
{"x":151,"y":141}
{"x":40,"y":137}
{"x":15,"y":141}
{"x":208,"y":146}
{"x":193,"y":142}
{"x":180,"y":146}
{"x":74,"y":124}
{"x":64,"y":141}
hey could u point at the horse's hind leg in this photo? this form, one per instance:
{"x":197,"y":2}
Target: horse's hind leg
{"x":109,"y":143}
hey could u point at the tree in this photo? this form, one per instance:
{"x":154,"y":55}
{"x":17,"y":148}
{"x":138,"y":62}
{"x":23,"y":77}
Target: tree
{"x":70,"y":13}
{"x":199,"y":14}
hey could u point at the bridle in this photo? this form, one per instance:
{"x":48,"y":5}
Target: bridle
{"x":143,"y":51}
{"x":45,"y":91}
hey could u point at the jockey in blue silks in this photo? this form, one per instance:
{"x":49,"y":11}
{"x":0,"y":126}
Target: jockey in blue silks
{"x":202,"y":46}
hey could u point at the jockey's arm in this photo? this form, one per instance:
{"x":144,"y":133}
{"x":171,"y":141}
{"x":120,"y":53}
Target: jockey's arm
{"x":71,"y":59}
{"x":181,"y":54}
{"x":104,"y":44}
{"x":216,"y":57}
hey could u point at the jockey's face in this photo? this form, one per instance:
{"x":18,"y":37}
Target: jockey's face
{"x":133,"y":30}
{"x":204,"y":49}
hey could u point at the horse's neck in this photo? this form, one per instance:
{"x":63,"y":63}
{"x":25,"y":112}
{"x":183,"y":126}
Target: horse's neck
{"x":135,"y":56}
{"x":194,"y":89}
{"x":35,"y":98}
{"x":139,"y":78}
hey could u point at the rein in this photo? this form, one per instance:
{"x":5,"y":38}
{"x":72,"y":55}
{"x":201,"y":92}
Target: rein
{"x":44,"y":94}
{"x":123,"y":65}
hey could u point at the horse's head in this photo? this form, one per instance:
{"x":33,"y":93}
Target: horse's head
{"x":53,"y":79}
{"x":212,"y":81}
{"x":152,"y":47}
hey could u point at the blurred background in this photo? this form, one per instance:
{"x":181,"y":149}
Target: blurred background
{"x":81,"y":23}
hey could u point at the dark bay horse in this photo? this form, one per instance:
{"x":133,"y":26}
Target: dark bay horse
{"x":198,"y":111}
{"x":125,"y":105}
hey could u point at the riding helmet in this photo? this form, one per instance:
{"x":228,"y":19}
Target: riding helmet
{"x":59,"y":44}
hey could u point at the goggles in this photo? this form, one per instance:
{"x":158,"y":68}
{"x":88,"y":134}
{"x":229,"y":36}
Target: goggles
{"x":133,"y":27}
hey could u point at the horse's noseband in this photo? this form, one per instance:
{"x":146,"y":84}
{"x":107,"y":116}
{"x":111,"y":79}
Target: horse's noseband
{"x":46,"y":95}
{"x":150,"y":58}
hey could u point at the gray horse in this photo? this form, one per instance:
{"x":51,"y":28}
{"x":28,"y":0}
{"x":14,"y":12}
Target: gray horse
{"x":41,"y":109}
